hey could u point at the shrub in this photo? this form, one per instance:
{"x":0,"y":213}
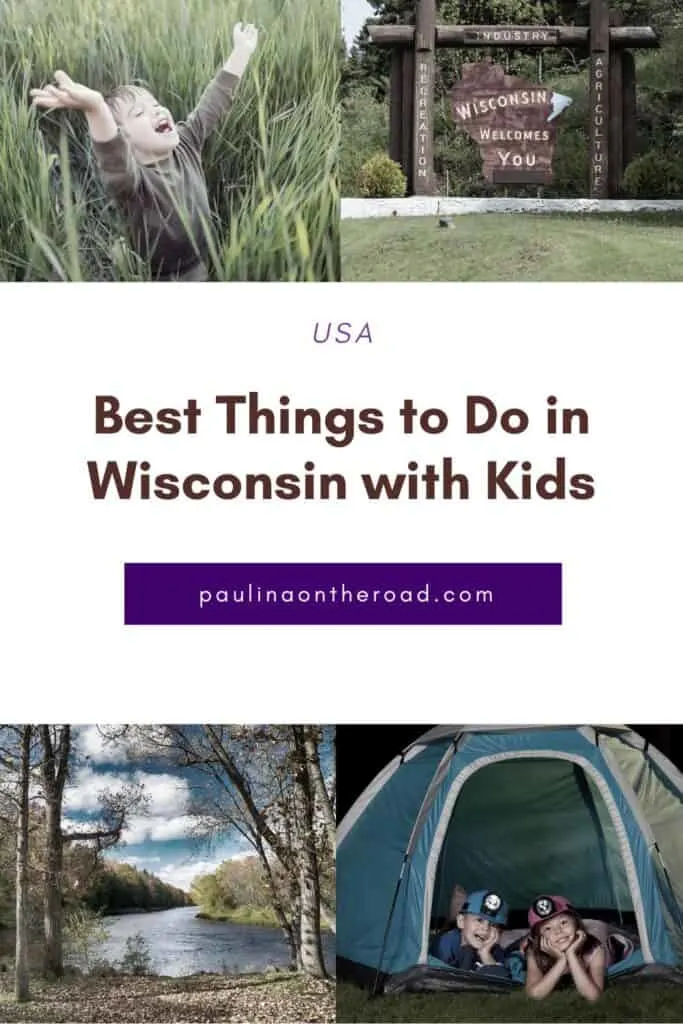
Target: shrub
{"x":137,"y":958}
{"x":84,"y":933}
{"x":364,"y":132}
{"x":653,"y":176}
{"x":381,"y":178}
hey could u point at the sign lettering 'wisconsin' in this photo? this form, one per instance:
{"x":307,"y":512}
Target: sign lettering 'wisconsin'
{"x":511,"y":120}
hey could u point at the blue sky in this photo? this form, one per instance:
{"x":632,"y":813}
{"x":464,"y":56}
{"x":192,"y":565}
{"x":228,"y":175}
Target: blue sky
{"x":159,"y":841}
{"x":354,"y":14}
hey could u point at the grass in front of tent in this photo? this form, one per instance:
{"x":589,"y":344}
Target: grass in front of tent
{"x":625,"y":1002}
{"x":270,"y":167}
{"x":515,"y":247}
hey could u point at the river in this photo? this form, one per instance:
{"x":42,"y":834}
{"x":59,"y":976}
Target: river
{"x":180,"y":943}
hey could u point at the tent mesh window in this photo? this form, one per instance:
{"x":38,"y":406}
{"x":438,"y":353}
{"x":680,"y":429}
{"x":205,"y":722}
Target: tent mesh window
{"x":522,"y":832}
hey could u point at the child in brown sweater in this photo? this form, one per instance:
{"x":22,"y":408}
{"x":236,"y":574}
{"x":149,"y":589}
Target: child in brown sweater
{"x":152,"y":166}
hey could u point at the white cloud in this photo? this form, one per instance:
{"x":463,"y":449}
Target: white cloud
{"x":142,"y":861}
{"x":142,"y":828}
{"x":94,"y":745}
{"x":167,"y":794}
{"x":81,"y":794}
{"x":165,"y":814}
{"x":184,"y":872}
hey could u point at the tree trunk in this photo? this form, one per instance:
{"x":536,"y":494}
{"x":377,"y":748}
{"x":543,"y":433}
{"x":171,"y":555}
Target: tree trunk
{"x":295,"y":901}
{"x":318,"y":786}
{"x":53,"y":961}
{"x":55,"y":766}
{"x":312,"y":961}
{"x":285,"y":922}
{"x":21,"y":976}
{"x":324,"y":805}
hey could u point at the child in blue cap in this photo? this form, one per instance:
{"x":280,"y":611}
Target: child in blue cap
{"x":475,"y":943}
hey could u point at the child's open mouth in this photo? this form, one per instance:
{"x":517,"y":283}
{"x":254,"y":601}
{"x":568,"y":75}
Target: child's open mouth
{"x":164,"y":126}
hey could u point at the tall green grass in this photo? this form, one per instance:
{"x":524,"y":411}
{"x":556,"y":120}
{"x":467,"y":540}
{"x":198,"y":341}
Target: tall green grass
{"x":271,"y":166}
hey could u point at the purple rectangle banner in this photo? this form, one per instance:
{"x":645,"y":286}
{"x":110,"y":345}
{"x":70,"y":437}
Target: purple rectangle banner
{"x":344,"y":594}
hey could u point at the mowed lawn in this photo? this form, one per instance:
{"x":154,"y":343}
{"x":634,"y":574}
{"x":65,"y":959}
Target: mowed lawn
{"x":515,"y":247}
{"x":646,"y":1001}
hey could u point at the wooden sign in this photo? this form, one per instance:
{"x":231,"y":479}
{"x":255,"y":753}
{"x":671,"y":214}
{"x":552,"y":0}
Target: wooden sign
{"x":509,"y":119}
{"x":612,"y":124}
{"x":512,"y":36}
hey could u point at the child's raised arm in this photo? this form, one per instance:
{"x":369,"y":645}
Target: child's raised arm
{"x":118,"y":168}
{"x":218,"y":96}
{"x":69,"y":95}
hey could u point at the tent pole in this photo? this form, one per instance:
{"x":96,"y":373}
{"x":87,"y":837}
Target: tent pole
{"x":375,"y":986}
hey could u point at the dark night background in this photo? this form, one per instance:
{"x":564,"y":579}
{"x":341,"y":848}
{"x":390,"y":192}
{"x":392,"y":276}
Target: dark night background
{"x":363,"y":750}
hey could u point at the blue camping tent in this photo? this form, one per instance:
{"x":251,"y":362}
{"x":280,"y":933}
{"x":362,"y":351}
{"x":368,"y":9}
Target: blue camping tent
{"x":592,"y":812}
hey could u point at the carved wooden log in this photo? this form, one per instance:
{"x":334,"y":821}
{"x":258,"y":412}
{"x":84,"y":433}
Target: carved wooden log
{"x":519,"y":36}
{"x":423,"y":103}
{"x":408,"y":83}
{"x":598,"y":152}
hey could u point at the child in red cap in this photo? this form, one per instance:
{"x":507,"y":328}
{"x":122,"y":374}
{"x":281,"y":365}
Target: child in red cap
{"x":560,"y":950}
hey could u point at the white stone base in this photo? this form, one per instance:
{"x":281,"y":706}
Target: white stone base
{"x":427,"y":206}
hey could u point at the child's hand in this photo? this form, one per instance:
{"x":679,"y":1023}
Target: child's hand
{"x":66,"y":94}
{"x":245,"y":37}
{"x":548,"y":948}
{"x":489,"y":943}
{"x":578,"y":942}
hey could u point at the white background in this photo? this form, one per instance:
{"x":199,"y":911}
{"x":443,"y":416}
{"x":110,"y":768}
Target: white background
{"x":612,"y":350}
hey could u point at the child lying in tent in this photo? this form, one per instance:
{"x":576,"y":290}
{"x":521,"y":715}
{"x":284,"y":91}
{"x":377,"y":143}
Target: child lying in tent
{"x":561,"y":952}
{"x":474,"y":945}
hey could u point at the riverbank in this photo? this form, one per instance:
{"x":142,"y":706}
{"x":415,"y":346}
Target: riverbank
{"x":248,"y":915}
{"x":242,"y":915}
{"x":256,"y":998}
{"x":142,"y":910}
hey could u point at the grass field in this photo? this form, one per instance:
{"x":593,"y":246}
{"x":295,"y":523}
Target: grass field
{"x":271,"y":167}
{"x":624,"y":1003}
{"x":515,"y":247}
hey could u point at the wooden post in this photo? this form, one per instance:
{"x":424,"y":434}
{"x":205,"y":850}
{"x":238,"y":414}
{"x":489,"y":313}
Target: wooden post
{"x":423,"y":110}
{"x":616,"y":109}
{"x":599,"y":100}
{"x":395,"y":103}
{"x":628,"y":78}
{"x":408,"y":85}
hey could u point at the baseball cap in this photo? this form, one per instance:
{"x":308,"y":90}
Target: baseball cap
{"x":546,"y":907}
{"x":486,"y":903}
